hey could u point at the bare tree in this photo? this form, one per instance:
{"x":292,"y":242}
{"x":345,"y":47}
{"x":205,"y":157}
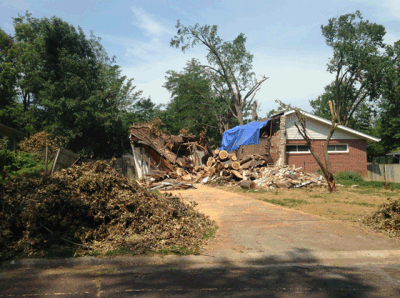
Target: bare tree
{"x":325,"y":166}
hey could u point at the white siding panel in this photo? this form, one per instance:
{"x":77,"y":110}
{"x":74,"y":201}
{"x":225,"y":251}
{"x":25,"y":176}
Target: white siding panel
{"x":316,"y":130}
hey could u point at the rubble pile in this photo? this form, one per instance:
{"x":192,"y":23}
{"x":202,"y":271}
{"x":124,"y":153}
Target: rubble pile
{"x":222,"y":165}
{"x":283,"y":177}
{"x":226,"y":168}
{"x":387,"y":218}
{"x":93,"y":207}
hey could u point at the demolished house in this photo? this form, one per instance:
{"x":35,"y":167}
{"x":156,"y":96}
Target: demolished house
{"x":156,"y":153}
{"x":269,"y":153}
{"x":278,"y":140}
{"x":177,"y":162}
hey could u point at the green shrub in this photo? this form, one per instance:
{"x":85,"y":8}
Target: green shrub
{"x":24,"y":160}
{"x":348,"y":176}
{"x":7,"y":157}
{"x":18,"y":163}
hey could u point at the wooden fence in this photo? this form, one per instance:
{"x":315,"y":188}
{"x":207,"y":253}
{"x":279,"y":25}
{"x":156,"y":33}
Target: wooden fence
{"x":124,"y":165}
{"x":384,"y":172}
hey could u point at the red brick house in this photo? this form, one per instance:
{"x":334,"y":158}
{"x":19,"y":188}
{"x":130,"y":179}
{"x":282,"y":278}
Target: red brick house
{"x":281,"y":144}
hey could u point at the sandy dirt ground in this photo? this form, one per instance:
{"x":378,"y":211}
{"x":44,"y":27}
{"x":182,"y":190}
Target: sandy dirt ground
{"x":251,"y":226}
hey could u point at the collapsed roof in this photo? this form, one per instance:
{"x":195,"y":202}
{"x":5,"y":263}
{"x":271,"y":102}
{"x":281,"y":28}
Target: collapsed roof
{"x":161,"y":151}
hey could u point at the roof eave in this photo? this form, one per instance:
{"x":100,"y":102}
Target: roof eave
{"x":350,"y":130}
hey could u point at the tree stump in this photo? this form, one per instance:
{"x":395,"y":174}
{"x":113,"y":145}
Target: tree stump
{"x":247,"y":184}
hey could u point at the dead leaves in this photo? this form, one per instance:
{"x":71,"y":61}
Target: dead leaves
{"x":387,"y":218}
{"x":94,"y":206}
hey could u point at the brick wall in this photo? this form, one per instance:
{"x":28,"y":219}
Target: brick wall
{"x":355,"y":160}
{"x":275,"y":137}
{"x":262,"y":149}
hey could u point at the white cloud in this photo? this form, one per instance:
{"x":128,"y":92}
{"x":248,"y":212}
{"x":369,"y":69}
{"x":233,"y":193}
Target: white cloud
{"x":394,"y":6}
{"x":391,"y":38}
{"x":147,"y":50}
{"x":148,"y":24}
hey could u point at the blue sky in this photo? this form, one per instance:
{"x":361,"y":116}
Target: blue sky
{"x":284,"y":37}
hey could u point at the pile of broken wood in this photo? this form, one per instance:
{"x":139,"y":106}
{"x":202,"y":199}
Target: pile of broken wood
{"x":221,"y":165}
{"x":250,"y":172}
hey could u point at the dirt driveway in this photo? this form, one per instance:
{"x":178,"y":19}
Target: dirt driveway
{"x":259,"y":229}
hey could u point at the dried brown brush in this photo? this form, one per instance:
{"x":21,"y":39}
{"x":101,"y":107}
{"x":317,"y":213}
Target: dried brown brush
{"x":36,"y":144}
{"x":387,"y":218}
{"x":93,"y":207}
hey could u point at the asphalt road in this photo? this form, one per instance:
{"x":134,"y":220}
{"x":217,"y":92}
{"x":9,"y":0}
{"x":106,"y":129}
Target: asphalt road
{"x":206,"y":280}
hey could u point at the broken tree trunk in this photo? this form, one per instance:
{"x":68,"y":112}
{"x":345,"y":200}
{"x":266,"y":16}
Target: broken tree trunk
{"x":230,"y":164}
{"x":246,"y":159}
{"x":248,"y":184}
{"x":237,"y":174}
{"x":235,"y":165}
{"x":223,"y":154}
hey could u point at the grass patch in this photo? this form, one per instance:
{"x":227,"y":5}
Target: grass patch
{"x":210,"y":233}
{"x":181,"y":251}
{"x":317,"y":196}
{"x":156,"y":191}
{"x":350,"y":178}
{"x":365,"y":204}
{"x":286,"y":202}
{"x":381,"y":184}
{"x":348,"y":204}
{"x":117,"y":252}
{"x":257,"y":190}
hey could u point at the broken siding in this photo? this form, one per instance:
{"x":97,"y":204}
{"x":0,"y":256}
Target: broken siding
{"x":316,"y":130}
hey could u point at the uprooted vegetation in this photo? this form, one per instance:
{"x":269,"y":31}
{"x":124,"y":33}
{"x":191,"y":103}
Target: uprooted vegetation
{"x":92,"y":207}
{"x":387,"y":218}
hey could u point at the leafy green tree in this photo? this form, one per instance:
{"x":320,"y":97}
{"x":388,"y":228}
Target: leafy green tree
{"x":229,"y":66}
{"x":8,"y":78}
{"x":389,"y":127}
{"x":362,"y":119}
{"x":357,"y":63}
{"x":142,"y":111}
{"x":8,"y":73}
{"x":195,"y":104}
{"x":70,"y":87}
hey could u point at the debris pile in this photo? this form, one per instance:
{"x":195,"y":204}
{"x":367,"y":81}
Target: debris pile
{"x":93,"y":207}
{"x":226,"y":168}
{"x":221,"y":165}
{"x":387,"y":218}
{"x":283,"y":177}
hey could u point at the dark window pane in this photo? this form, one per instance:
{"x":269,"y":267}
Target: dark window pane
{"x":302,"y":148}
{"x":341,"y":148}
{"x":331,"y":147}
{"x":291,"y":148}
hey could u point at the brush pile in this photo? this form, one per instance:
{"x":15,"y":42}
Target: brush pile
{"x":387,"y":218}
{"x":93,"y":207}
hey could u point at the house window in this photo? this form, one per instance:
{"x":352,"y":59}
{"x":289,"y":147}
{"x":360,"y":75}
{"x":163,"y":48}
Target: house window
{"x":297,"y":149}
{"x":338,"y":148}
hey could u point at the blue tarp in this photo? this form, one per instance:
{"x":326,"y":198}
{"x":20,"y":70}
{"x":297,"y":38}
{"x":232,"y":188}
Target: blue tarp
{"x":248,"y":134}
